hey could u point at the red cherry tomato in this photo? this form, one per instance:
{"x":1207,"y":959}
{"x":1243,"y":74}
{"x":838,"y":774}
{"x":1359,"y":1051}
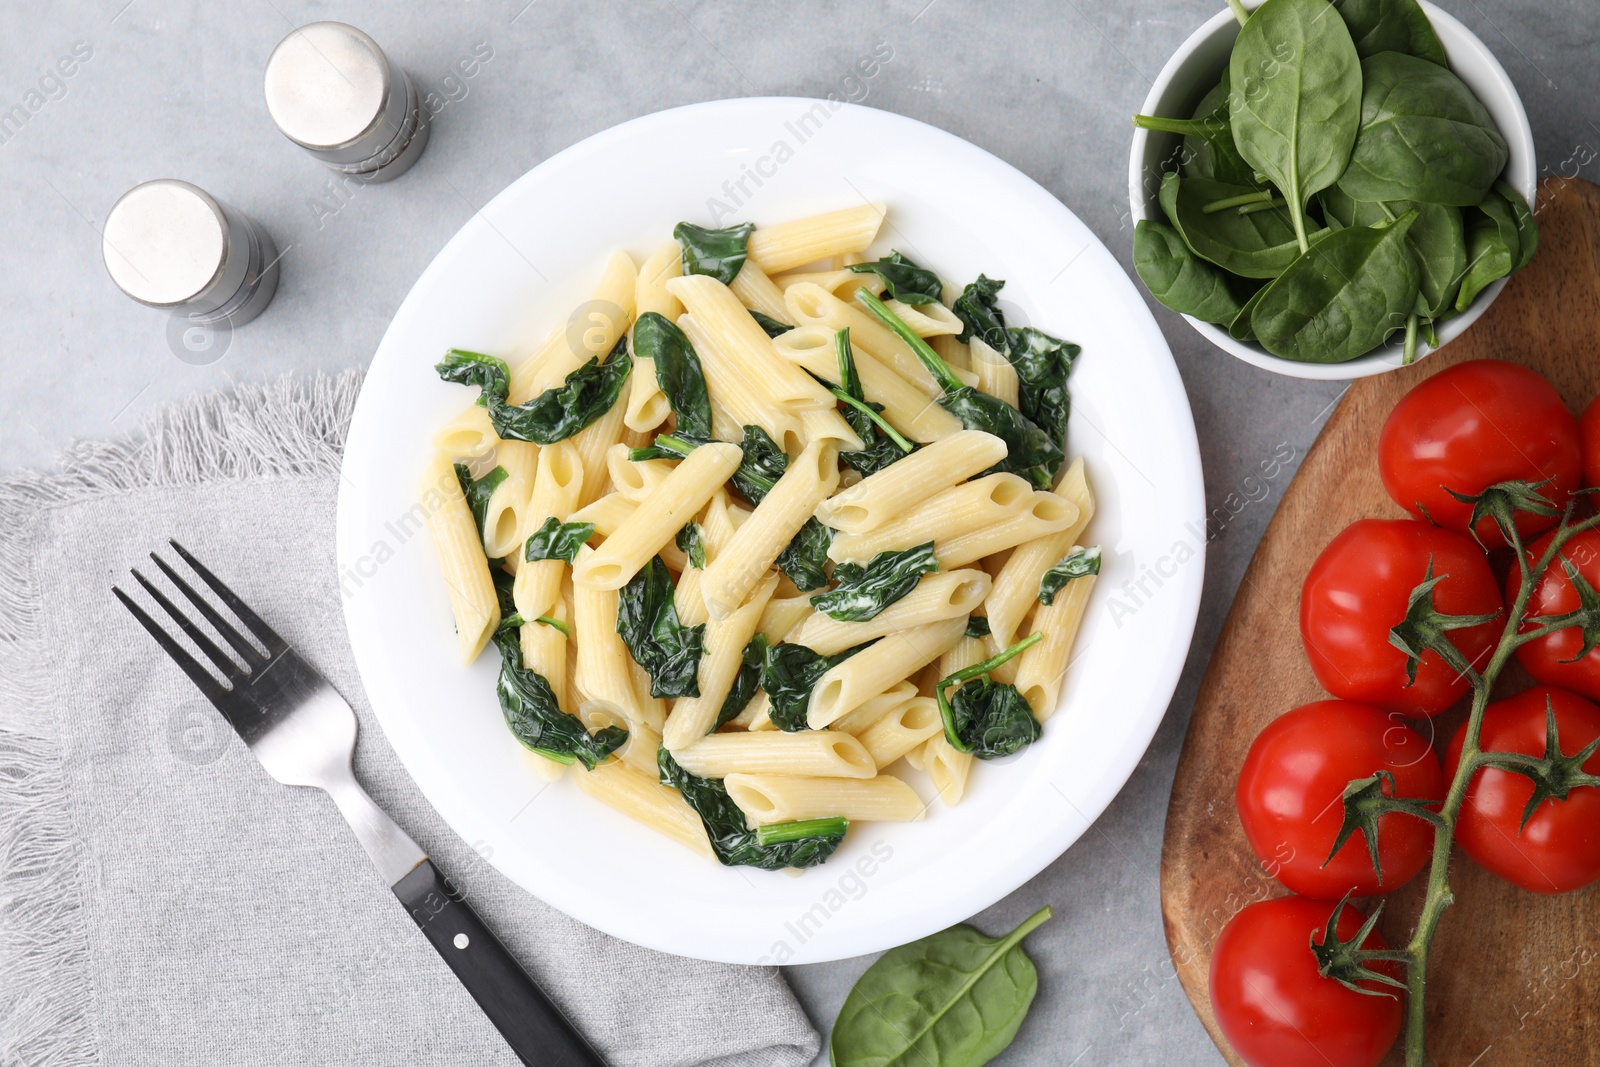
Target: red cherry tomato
{"x":1589,"y":441}
{"x":1277,"y":1011}
{"x":1290,"y":788}
{"x":1559,"y":850}
{"x":1473,"y":425}
{"x":1358,"y":591}
{"x":1546,"y":660}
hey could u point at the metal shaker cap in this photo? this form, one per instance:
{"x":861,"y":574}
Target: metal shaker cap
{"x":332,"y":91}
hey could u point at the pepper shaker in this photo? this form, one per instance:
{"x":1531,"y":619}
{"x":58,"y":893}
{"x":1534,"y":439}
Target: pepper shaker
{"x":333,"y":92}
{"x":172,"y":245}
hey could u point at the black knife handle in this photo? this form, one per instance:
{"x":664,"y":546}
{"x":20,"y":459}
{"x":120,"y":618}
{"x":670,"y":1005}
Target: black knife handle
{"x":533,"y":1026}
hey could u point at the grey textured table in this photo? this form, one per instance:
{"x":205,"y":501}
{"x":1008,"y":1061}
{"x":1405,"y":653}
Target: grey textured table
{"x":173,"y":88}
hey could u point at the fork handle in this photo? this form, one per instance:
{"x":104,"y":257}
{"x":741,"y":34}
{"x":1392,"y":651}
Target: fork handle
{"x":531,"y":1024}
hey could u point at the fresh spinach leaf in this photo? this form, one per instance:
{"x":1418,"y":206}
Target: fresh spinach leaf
{"x":1042,"y":364}
{"x":1489,"y":255}
{"x":1436,"y":239}
{"x":1031,"y":451}
{"x":977,"y":626}
{"x":691,"y":542}
{"x":863,"y":592}
{"x":979,"y":316}
{"x":1522,"y":218}
{"x":906,"y":282}
{"x":557,"y":540}
{"x":1240,"y":329}
{"x":734,"y":844}
{"x":773,"y":327}
{"x":1391,"y":26}
{"x":746,"y":682}
{"x":986,"y":718}
{"x":536,"y":719}
{"x":762,"y":464}
{"x":952,"y":999}
{"x":678,"y":371}
{"x":804,"y":558}
{"x":1342,"y":298}
{"x":1295,"y":99}
{"x":1259,"y":244}
{"x":1182,"y":280}
{"x":788,"y":674}
{"x":719,"y":253}
{"x":1424,"y":136}
{"x":1209,"y":152}
{"x":478,"y":491}
{"x":554,"y":415}
{"x":647,"y":621}
{"x":1078,"y":563}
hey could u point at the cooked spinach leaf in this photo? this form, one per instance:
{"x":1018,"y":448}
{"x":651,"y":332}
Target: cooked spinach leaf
{"x":1042,"y":364}
{"x":478,"y":491}
{"x":1182,"y":280}
{"x":678,"y":371}
{"x":804,"y":558}
{"x":788,"y":674}
{"x":952,"y":999}
{"x":987,"y":718}
{"x":1078,"y":563}
{"x":719,"y":253}
{"x":906,"y":282}
{"x":1031,"y":452}
{"x":690,"y":541}
{"x":761,"y":466}
{"x":733,"y":843}
{"x":667,"y":446}
{"x":876,"y":456}
{"x":776,"y":833}
{"x":536,"y":719}
{"x":773,"y":327}
{"x":503,"y":580}
{"x":884,"y":444}
{"x":863,"y":592}
{"x":557,"y":540}
{"x":554,"y":624}
{"x":979,"y":316}
{"x":977,"y":626}
{"x":647,"y":621}
{"x":746,"y":682}
{"x":555,"y":414}
{"x":1391,"y":26}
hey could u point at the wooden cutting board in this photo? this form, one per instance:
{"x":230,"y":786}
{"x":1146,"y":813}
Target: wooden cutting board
{"x":1515,"y":977}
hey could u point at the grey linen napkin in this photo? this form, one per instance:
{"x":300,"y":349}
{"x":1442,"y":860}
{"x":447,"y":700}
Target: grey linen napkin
{"x":162,"y":900}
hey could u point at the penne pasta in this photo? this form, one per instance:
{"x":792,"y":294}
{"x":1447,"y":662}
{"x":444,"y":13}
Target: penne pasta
{"x":604,"y":668}
{"x":996,"y":375}
{"x":737,"y":393}
{"x":774,"y":798}
{"x":938,"y":596}
{"x":692,"y":718}
{"x":947,"y":768}
{"x":646,"y":800}
{"x":902,"y":729}
{"x":783,"y":614}
{"x":787,"y":245}
{"x":1042,"y":668}
{"x":841,"y":283}
{"x":591,"y":331}
{"x":820,"y":753}
{"x":461,"y":559}
{"x":812,"y":305}
{"x":1046,"y":513}
{"x":468,"y":435}
{"x":880,"y":665}
{"x":1016,"y":584}
{"x":743,"y":349}
{"x":872,"y":710}
{"x":947,"y":515}
{"x":926,"y":320}
{"x":635,"y":480}
{"x":757,"y":292}
{"x":507,"y":508}
{"x":905,"y":407}
{"x":891,"y":492}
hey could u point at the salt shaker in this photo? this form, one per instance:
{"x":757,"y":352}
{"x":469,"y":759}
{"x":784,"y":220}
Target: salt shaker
{"x":172,"y":245}
{"x":333,"y":92}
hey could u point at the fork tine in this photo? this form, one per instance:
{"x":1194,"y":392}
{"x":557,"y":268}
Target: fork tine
{"x":230,"y":670}
{"x":213,"y":616}
{"x":197,"y":674}
{"x":264,"y":633}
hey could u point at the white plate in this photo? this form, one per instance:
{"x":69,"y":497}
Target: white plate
{"x":519,"y":267}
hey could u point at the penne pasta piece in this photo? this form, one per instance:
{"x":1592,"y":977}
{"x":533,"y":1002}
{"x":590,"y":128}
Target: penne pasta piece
{"x":737,"y":393}
{"x":1046,"y":513}
{"x":943,"y":517}
{"x":787,"y":245}
{"x":820,"y":753}
{"x":592,"y":330}
{"x":926,"y":320}
{"x":592,"y":443}
{"x":875,"y":668}
{"x":996,"y":375}
{"x":508,"y":504}
{"x":604,"y":668}
{"x":742,"y":348}
{"x":647,"y":406}
{"x":635,"y":480}
{"x":902,"y":729}
{"x":812,"y":305}
{"x":946,"y":767}
{"x":1016,"y":584}
{"x":461,"y":560}
{"x":755,"y":546}
{"x":608,"y":514}
{"x":782,"y":615}
{"x":872,"y":710}
{"x":963,"y":654}
{"x":757,"y":292}
{"x":891,"y":492}
{"x":639,"y":751}
{"x":938,"y":596}
{"x":468,"y":435}
{"x":546,"y":768}
{"x":1042,"y":668}
{"x":650,"y":292}
{"x":828,"y":427}
{"x":544,"y":651}
{"x":646,"y":800}
{"x":692,"y":718}
{"x":658,"y":517}
{"x":773,"y":798}
{"x":753,"y":713}
{"x":952,"y":351}
{"x":841,"y":283}
{"x":905,"y":407}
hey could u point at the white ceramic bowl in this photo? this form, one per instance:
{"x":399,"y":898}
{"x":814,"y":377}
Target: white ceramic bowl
{"x":1194,"y":69}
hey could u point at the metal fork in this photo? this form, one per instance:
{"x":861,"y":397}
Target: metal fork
{"x":304,"y":733}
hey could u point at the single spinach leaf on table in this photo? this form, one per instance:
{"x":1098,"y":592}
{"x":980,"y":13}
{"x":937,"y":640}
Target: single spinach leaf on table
{"x":986,"y":718}
{"x":1424,"y":136}
{"x":746,"y":682}
{"x":1295,"y":99}
{"x":648,"y":623}
{"x":1079,"y":563}
{"x":864,"y":592}
{"x":1342,"y":298}
{"x":1391,"y":26}
{"x":1436,"y":239}
{"x":555,"y":414}
{"x":678,"y":371}
{"x":718,"y":253}
{"x":478,"y":491}
{"x":535,"y":717}
{"x":1259,"y":244}
{"x":557,"y":540}
{"x":788,"y":674}
{"x":952,"y":999}
{"x":690,"y":540}
{"x":734,"y":844}
{"x":772,"y":326}
{"x":906,"y":282}
{"x":1182,"y":280}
